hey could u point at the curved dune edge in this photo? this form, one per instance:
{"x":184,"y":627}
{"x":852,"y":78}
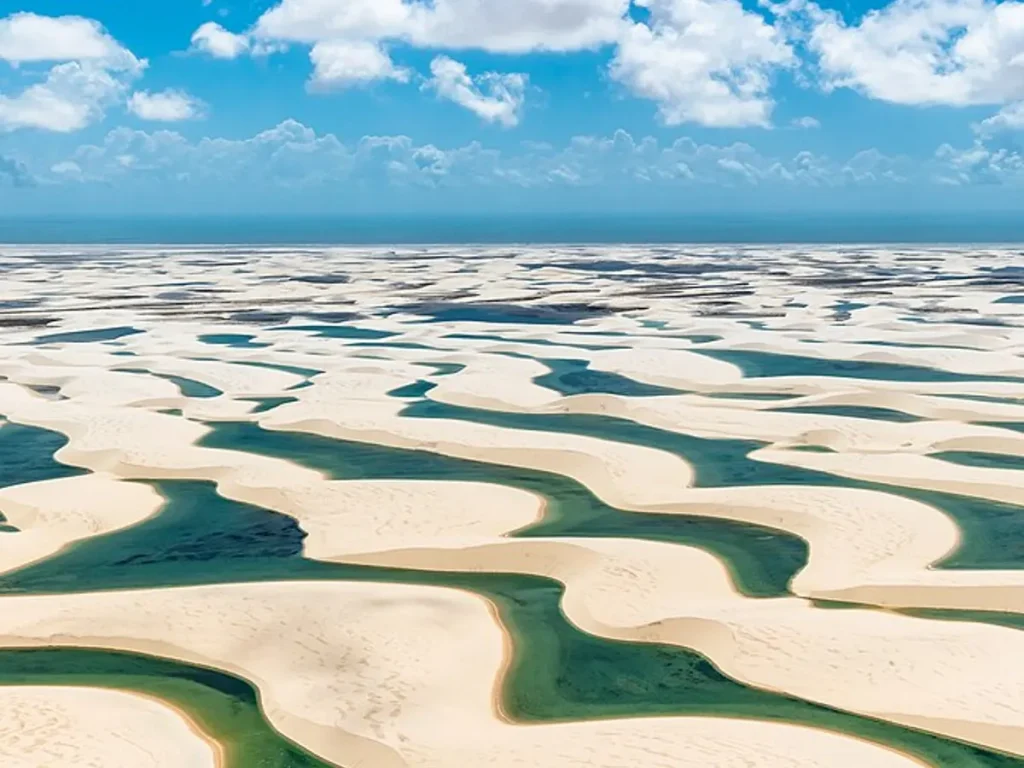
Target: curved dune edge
{"x":909,"y":471}
{"x":858,"y":538}
{"x":953,"y":359}
{"x":660,"y":361}
{"x":354,"y":405}
{"x":52,"y":514}
{"x":708,"y":417}
{"x":281,"y":485}
{"x":499,"y":382}
{"x":857,"y":660}
{"x":942,"y":408}
{"x":942,"y":357}
{"x":673,"y":363}
{"x":407,"y":679}
{"x":619,"y":470}
{"x":641,"y":363}
{"x":54,"y":725}
{"x":86,"y":367}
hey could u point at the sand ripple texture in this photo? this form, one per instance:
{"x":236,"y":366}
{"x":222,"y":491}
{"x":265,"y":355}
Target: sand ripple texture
{"x":602,"y":419}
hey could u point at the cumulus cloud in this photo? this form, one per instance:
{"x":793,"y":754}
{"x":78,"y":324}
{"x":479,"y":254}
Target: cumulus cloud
{"x":703,"y":61}
{"x":67,"y":169}
{"x":592,"y":160}
{"x":493,"y":25}
{"x":72,"y":96}
{"x":1009,"y":118}
{"x":805,"y":123}
{"x":292,"y":155}
{"x":494,"y":97}
{"x":344,"y":64}
{"x":29,"y":37}
{"x":979,"y":164}
{"x":924,"y":52}
{"x":165,"y":106}
{"x":214,"y":40}
{"x":95,"y":72}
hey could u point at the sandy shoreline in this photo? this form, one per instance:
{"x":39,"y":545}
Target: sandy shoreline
{"x":436,"y":661}
{"x":52,"y":725}
{"x":53,"y":514}
{"x":413,"y":675}
{"x":219,"y":755}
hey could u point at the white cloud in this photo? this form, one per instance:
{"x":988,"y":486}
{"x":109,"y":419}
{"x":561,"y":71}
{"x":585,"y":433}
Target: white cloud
{"x":805,"y":123}
{"x":924,"y":52}
{"x":1009,"y":118}
{"x":72,"y":96}
{"x":493,"y":25}
{"x":595,"y":161}
{"x":872,"y":167}
{"x":165,"y":106}
{"x":28,"y":37}
{"x":66,"y":168}
{"x":979,"y":164}
{"x":95,"y":73}
{"x":292,"y":155}
{"x":702,"y":61}
{"x":343,"y":64}
{"x":494,"y":97}
{"x":212,"y":39}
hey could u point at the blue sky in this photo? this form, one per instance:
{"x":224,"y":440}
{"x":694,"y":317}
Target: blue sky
{"x":339,"y":106}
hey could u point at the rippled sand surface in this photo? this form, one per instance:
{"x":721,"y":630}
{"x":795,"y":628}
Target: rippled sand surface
{"x":546,"y":507}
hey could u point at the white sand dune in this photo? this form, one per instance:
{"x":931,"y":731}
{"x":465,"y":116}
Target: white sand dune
{"x":883,"y":665}
{"x":945,"y":358}
{"x":404,"y":676}
{"x":343,"y":407}
{"x":857,"y":538}
{"x":52,"y":514}
{"x":363,"y":514}
{"x":233,"y":380}
{"x":392,"y":676}
{"x":874,"y":544}
{"x":97,"y":385}
{"x":909,"y":471}
{"x":282,"y":486}
{"x":50,"y":727}
{"x":846,"y":433}
{"x":943,"y":408}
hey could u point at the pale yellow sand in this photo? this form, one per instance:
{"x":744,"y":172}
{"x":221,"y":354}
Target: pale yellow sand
{"x":52,"y":514}
{"x":1004,"y":485}
{"x":132,"y":454}
{"x":968,"y":361}
{"x":343,"y":406}
{"x":879,"y":664}
{"x":704,"y":419}
{"x":57,"y":727}
{"x":234,"y":380}
{"x":858,"y":539}
{"x":394,"y":675}
{"x":944,"y":408}
{"x":864,"y":546}
{"x":365,"y":516}
{"x":97,"y":385}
